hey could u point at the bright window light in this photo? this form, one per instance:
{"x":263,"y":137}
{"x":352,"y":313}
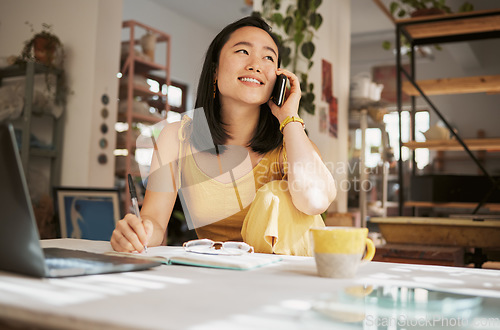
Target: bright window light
{"x":173,"y":116}
{"x":120,"y":152}
{"x":154,"y":86}
{"x":421,"y":125}
{"x":143,"y":156}
{"x":174,"y":96}
{"x":121,"y":127}
{"x":373,"y":146}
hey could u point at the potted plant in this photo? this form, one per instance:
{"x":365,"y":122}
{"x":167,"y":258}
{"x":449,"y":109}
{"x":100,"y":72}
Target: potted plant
{"x":417,"y":8}
{"x":46,"y":48}
{"x":43,"y":47}
{"x":299,"y":24}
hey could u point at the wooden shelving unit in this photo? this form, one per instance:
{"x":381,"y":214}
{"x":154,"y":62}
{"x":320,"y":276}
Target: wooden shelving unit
{"x":24,"y":123}
{"x":446,"y":28}
{"x":479,"y":24}
{"x":454,"y":205}
{"x":439,"y":29}
{"x":455,"y":27}
{"x":448,"y":86}
{"x":453,"y":145}
{"x":441,"y":231}
{"x":136,"y":65}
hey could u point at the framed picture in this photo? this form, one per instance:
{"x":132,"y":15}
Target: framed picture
{"x":87,"y":213}
{"x":386,"y":75}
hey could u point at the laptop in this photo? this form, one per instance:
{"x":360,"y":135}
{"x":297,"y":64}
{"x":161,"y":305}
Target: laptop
{"x":20,"y":250}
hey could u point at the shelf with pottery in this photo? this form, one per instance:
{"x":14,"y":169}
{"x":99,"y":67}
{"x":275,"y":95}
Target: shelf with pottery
{"x":138,"y":63}
{"x":141,"y":65}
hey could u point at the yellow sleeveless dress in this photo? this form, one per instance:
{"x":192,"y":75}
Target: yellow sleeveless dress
{"x":256,"y":208}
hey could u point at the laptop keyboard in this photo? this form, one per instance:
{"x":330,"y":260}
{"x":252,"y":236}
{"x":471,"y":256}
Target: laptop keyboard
{"x":73,"y":262}
{"x":61,"y":263}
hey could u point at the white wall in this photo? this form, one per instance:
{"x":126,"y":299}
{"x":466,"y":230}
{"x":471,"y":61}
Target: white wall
{"x":89,"y":31}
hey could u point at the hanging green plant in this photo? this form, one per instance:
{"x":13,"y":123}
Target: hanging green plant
{"x":45,"y":48}
{"x":297,"y":25}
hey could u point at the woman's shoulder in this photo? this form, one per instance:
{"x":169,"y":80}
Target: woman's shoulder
{"x":169,"y":139}
{"x":170,"y":132}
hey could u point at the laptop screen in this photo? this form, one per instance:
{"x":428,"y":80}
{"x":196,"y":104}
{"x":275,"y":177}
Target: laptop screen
{"x":20,"y":250}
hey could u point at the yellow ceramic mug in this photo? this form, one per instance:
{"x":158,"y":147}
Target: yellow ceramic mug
{"x":338,"y":250}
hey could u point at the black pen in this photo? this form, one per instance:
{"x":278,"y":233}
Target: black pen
{"x":135,"y":205}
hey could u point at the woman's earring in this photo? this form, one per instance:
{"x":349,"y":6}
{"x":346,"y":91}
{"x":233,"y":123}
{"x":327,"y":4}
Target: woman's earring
{"x":215,"y":86}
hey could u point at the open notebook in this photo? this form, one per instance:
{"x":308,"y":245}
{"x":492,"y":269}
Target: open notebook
{"x":178,"y":256}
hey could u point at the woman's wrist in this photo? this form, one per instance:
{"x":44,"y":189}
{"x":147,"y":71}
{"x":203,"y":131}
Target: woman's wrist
{"x":283,"y":117}
{"x":291,"y":119}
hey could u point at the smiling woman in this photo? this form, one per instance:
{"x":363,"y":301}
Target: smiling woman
{"x":236,"y":179}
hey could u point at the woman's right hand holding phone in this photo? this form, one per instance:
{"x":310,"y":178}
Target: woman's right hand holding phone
{"x":131,"y":234}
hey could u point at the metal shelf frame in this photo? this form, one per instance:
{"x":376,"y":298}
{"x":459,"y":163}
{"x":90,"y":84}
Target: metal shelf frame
{"x":406,"y":28}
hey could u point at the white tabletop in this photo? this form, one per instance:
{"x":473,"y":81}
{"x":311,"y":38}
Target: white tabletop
{"x":278,"y":296}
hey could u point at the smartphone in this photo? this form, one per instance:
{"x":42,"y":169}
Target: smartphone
{"x":278,"y":94}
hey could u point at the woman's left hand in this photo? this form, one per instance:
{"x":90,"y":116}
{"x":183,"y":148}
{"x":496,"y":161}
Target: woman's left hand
{"x":290,"y":106}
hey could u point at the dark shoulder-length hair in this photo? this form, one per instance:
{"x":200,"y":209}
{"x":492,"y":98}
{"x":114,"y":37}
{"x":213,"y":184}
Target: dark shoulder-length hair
{"x":267,"y":134}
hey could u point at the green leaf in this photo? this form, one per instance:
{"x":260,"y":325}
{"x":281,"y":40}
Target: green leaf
{"x":310,"y":97}
{"x":402,"y":13}
{"x":298,"y":38}
{"x":256,"y":14}
{"x":315,"y":20}
{"x":277,"y":18}
{"x":311,"y":87}
{"x":286,"y":61}
{"x":288,"y":24}
{"x":394,"y":6}
{"x":303,"y":7}
{"x":386,"y":45}
{"x":310,"y":65}
{"x":465,"y":7}
{"x":286,"y":51}
{"x":299,"y":25}
{"x":306,"y":105}
{"x":317,"y":3}
{"x":308,"y":50}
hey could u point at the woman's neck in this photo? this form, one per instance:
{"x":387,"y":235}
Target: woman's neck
{"x":241,"y":122}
